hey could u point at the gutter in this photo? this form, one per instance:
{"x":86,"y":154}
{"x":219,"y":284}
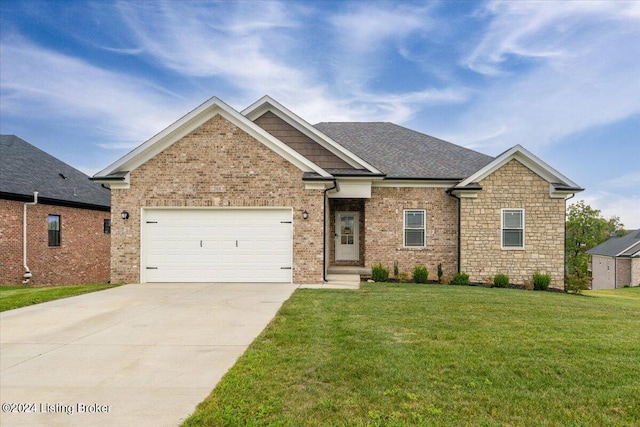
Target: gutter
{"x":324,"y":230}
{"x":450,"y":193}
{"x":27,"y":273}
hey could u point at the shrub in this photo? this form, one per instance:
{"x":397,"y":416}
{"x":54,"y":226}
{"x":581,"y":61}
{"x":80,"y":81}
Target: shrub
{"x":420,"y":274}
{"x":460,"y":279}
{"x":395,"y":270}
{"x":440,"y":273}
{"x":541,"y":281}
{"x":501,"y":281}
{"x":379,"y":273}
{"x":576,"y":284}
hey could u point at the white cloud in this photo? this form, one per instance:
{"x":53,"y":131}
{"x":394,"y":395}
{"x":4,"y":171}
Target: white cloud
{"x":363,"y":29}
{"x":252,"y":47}
{"x":629,"y":180}
{"x":121,"y":109}
{"x":581,"y":62}
{"x":624,"y":206}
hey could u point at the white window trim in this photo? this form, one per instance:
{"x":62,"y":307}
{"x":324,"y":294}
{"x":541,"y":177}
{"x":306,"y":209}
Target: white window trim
{"x":512,"y":248}
{"x":404,"y":227}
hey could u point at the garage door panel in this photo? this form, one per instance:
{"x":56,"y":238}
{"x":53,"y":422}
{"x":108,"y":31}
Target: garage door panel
{"x":225,"y":245}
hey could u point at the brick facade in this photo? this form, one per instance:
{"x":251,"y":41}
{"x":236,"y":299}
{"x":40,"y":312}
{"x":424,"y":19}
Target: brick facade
{"x":384,"y":231}
{"x":82,"y":257}
{"x":191,"y":173}
{"x":513,"y":186}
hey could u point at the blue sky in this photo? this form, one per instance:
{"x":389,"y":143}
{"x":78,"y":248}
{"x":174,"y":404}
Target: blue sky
{"x":88,"y":81}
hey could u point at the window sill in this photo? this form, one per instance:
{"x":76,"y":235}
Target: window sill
{"x":412,"y":248}
{"x":509,"y":248}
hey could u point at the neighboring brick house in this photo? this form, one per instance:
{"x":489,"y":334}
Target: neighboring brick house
{"x":67,"y":230}
{"x":262,"y":195}
{"x":616,"y":262}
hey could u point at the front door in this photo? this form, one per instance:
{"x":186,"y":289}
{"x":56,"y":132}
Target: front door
{"x":347,"y":236}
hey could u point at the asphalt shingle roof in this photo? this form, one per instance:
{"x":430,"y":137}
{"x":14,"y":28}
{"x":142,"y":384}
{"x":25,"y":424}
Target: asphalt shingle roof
{"x":25,"y":169}
{"x":629,"y":243}
{"x":404,"y":153}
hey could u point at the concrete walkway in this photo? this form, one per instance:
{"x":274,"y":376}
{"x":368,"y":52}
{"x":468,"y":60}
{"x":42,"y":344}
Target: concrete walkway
{"x":142,"y":355}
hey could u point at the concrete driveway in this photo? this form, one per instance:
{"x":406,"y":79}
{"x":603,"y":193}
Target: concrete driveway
{"x":142,"y":355}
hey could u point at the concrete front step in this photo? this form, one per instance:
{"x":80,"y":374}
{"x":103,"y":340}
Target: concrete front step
{"x":339,"y":269}
{"x":338,"y":281}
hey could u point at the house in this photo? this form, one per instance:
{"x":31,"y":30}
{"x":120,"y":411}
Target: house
{"x":54,"y":222}
{"x":262,"y":195}
{"x":616,"y":262}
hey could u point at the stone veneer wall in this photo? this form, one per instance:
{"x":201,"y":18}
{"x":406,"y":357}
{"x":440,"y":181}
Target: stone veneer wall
{"x":635,"y":271}
{"x":218,"y":165}
{"x":83,"y":254}
{"x":384,"y":230}
{"x":513,"y":186}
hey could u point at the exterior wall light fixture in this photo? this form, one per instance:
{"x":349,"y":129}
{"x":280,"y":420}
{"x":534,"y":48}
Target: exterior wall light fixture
{"x":124,"y":215}
{"x":305,"y":215}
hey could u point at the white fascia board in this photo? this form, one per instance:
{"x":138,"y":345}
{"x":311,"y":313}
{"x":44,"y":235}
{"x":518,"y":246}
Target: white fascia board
{"x":266,"y":103}
{"x":197,"y":118}
{"x":560,"y":194}
{"x":317,"y":185}
{"x":115,"y":184}
{"x":525,"y":157}
{"x":414,"y":183}
{"x":629,"y":248}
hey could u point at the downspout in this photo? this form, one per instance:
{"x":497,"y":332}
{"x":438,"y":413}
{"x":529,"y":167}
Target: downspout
{"x":564,"y":253}
{"x":459,"y":219}
{"x":27,"y":273}
{"x":324,"y":231}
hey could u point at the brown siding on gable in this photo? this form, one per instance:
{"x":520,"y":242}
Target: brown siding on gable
{"x":83,"y":254}
{"x":218,"y":165}
{"x":513,"y":186}
{"x":384,"y":229}
{"x":299,"y":141}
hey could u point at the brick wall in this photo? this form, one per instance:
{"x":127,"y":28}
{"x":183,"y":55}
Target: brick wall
{"x":623,"y":272}
{"x":513,"y":186}
{"x":384,"y":230}
{"x":82,"y":257}
{"x":193,"y":171}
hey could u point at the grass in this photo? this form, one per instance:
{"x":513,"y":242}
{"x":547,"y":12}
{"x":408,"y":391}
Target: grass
{"x":399,"y":354}
{"x":624,"y":293}
{"x":21,"y":296}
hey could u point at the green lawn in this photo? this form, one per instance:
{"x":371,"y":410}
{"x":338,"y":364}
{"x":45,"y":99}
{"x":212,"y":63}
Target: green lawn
{"x":391,"y":355}
{"x":21,"y":296}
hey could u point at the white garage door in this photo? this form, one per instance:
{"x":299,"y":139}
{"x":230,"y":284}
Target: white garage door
{"x":217,"y":245}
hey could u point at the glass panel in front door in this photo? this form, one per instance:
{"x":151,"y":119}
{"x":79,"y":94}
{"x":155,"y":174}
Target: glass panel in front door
{"x":346,"y":229}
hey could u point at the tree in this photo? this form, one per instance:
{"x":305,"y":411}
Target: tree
{"x":585,"y":230}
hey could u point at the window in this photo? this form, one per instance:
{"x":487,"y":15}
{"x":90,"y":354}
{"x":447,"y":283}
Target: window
{"x":512,"y":228}
{"x":54,"y":230}
{"x":414,"y":228}
{"x":107,"y":226}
